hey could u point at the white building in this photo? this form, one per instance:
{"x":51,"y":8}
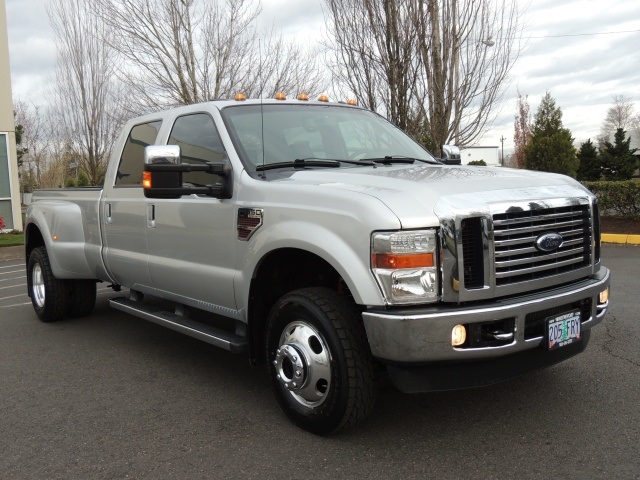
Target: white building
{"x":10,"y":209}
{"x":490,"y":155}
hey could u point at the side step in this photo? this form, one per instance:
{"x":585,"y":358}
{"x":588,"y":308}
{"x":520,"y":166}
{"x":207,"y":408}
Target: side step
{"x":206,"y":333}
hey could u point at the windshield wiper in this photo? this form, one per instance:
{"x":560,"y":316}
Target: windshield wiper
{"x":389,"y":159}
{"x":300,"y":163}
{"x":314,"y":162}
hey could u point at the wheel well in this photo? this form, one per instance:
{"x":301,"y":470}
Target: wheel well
{"x":32,"y":239}
{"x":280,"y":272}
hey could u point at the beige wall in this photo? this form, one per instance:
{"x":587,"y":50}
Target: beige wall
{"x":6,"y":118}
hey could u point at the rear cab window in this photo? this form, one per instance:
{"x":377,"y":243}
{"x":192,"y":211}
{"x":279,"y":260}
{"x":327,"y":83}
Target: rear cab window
{"x":131,"y":163}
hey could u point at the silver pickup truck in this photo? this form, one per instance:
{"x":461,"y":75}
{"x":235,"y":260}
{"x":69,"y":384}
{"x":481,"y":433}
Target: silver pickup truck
{"x":320,"y":240}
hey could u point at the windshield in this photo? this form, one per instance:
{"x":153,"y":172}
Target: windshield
{"x":296,"y":132}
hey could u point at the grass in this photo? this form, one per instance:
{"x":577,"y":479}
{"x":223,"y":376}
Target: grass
{"x":11,"y":239}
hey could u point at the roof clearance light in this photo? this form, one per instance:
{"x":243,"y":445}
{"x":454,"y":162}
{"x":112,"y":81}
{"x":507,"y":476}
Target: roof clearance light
{"x":352,"y":102}
{"x":303,"y":97}
{"x":240,"y":97}
{"x":146,"y":179}
{"x":281,"y":96}
{"x":323,"y":98}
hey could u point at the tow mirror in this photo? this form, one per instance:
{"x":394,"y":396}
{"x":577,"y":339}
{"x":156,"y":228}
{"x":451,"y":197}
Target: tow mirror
{"x":163,"y":169}
{"x":450,"y":155}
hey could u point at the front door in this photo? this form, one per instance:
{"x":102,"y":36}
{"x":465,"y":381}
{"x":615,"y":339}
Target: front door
{"x":191,"y":239}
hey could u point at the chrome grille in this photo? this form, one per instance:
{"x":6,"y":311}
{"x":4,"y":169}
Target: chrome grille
{"x":517,"y":259}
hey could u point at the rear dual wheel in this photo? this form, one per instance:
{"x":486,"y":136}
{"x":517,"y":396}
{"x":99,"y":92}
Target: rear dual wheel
{"x":53,"y":299}
{"x":319,"y":361}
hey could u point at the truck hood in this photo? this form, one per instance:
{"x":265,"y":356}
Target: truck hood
{"x":420,"y":194}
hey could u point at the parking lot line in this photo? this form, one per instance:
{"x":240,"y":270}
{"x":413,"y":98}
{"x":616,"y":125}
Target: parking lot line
{"x":12,"y":266}
{"x":14,"y":286}
{"x":13,"y":278}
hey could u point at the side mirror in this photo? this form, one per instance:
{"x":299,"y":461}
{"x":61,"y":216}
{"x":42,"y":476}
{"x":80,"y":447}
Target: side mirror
{"x":450,"y":155}
{"x":162,"y":182}
{"x":162,"y":155}
{"x":163,"y":169}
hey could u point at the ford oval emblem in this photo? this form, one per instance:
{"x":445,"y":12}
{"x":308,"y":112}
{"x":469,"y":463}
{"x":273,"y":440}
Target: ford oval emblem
{"x":549,"y":242}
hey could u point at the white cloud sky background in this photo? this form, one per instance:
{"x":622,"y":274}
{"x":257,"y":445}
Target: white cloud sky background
{"x":581,"y":72}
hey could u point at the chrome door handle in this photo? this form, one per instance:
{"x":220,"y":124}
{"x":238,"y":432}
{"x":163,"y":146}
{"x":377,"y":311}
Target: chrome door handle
{"x":151,"y":215}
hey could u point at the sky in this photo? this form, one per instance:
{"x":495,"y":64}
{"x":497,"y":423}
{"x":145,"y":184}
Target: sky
{"x":574,"y":49}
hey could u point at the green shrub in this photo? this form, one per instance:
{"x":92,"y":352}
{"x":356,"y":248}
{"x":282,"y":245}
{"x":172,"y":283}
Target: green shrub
{"x":481,"y":163}
{"x":617,"y":198}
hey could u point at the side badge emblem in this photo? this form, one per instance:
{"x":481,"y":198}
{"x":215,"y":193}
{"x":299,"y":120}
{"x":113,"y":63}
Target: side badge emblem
{"x":249,"y":220}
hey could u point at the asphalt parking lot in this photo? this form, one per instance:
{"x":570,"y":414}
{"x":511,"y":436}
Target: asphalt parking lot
{"x":113,"y":396}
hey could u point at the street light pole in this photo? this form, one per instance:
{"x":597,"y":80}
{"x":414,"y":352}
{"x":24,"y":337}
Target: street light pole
{"x":502,"y":139}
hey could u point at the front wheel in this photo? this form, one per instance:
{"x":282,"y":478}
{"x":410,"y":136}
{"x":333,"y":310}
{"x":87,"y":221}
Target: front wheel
{"x":319,"y":361}
{"x":49,"y":295}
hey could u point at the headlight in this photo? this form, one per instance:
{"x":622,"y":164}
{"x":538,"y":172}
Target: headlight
{"x":405,"y":266}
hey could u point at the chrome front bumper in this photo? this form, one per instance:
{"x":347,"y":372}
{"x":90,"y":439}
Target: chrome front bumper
{"x":424,"y":335}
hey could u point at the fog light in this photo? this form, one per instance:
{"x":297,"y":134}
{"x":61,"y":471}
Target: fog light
{"x":604,"y":296}
{"x":458,"y":335}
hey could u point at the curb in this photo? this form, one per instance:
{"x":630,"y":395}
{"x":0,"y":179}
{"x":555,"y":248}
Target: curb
{"x":622,"y":239}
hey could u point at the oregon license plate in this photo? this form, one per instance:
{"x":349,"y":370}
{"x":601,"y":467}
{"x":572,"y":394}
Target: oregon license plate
{"x":563,"y":330}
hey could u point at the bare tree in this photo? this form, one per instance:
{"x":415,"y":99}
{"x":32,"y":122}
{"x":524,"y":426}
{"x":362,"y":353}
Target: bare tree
{"x":468,"y":48}
{"x":373,"y":46}
{"x":440,"y":66}
{"x":635,"y":125}
{"x":34,"y":141}
{"x":86,"y":96}
{"x":619,"y":115}
{"x":181,"y":52}
{"x":522,"y":130}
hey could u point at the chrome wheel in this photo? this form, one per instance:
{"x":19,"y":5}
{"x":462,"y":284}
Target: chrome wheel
{"x":303,"y":364}
{"x":318,"y":360}
{"x":37,"y":285}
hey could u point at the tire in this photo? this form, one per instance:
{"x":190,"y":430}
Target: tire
{"x":49,"y":295}
{"x":82,"y":297}
{"x":319,"y":361}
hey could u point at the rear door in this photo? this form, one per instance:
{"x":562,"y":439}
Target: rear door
{"x":125,"y":216}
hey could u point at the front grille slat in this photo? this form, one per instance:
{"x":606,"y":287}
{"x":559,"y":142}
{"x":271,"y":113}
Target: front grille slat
{"x":542,"y":218}
{"x":550,"y":256}
{"x":523,"y":251}
{"x":537,"y":228}
{"x":540,"y":268}
{"x":518,"y":259}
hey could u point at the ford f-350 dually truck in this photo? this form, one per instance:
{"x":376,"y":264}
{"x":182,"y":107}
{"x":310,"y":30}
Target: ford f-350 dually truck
{"x":320,"y":240}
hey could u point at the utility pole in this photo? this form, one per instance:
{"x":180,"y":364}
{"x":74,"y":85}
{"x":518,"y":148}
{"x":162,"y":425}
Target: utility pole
{"x":502,"y":139}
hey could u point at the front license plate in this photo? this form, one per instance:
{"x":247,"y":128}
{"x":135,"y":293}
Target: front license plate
{"x":563,"y":330}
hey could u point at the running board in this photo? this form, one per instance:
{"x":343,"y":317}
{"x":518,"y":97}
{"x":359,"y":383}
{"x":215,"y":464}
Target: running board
{"x":206,"y":333}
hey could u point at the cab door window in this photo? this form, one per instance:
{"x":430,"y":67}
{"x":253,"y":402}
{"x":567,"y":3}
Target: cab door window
{"x":199,"y":143}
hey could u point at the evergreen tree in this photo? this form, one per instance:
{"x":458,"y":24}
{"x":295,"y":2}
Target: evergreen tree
{"x":618,"y":160}
{"x":551,"y":146}
{"x":590,"y":168}
{"x":83,"y":180}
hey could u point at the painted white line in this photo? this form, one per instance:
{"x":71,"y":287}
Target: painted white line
{"x":13,"y":271}
{"x":12,"y":266}
{"x":14,"y":278}
{"x":14,"y":286}
{"x":16,"y":305}
{"x":14,"y":296}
